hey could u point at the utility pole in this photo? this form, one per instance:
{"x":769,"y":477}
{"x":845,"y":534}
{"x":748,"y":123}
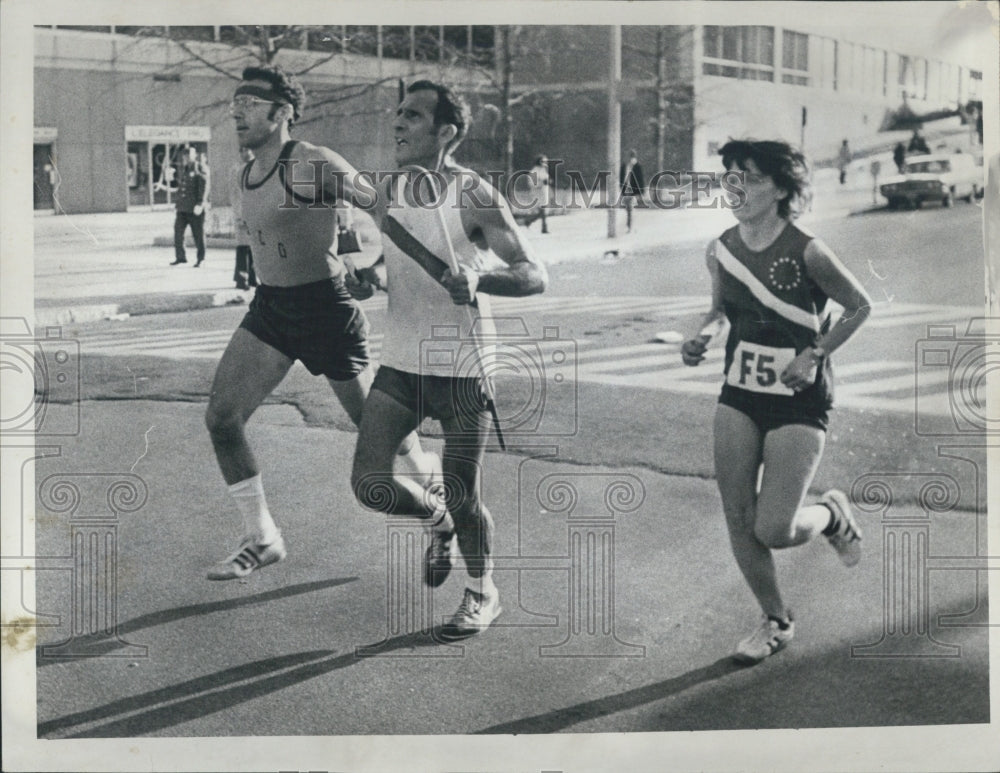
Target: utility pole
{"x":661,"y":97}
{"x":614,"y":126}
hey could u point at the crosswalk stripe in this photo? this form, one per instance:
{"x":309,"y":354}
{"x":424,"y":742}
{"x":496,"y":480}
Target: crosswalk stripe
{"x":928,"y":316}
{"x":888,"y":385}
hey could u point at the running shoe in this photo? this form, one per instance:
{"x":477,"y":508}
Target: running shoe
{"x":250,"y":556}
{"x":846,"y":539}
{"x":769,"y":638}
{"x":437,"y":558}
{"x":474,"y":614}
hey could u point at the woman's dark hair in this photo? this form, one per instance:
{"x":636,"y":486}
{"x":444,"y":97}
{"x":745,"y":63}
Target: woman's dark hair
{"x":450,"y":109}
{"x":284,"y":84}
{"x":540,"y":159}
{"x":781,"y":162}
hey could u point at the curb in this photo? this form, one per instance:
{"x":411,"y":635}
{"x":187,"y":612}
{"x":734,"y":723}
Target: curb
{"x":214,"y":242}
{"x":159,"y":303}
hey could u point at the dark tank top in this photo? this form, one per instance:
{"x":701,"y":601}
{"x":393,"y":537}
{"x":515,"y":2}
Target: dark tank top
{"x":775,"y":311}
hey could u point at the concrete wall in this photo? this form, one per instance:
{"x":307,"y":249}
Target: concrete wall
{"x":90,"y":86}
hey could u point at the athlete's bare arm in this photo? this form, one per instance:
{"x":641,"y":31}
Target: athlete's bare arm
{"x":492,"y":226}
{"x":341,"y":182}
{"x":841,"y":286}
{"x":693,"y":349}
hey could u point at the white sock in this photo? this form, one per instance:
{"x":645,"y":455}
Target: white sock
{"x":482,"y":585}
{"x":249,"y":496}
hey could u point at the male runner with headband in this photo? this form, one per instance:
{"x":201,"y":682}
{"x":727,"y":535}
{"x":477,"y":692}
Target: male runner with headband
{"x":301,"y":310}
{"x":426,"y":297}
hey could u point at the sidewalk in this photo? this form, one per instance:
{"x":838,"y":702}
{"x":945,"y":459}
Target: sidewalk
{"x":112,"y":265}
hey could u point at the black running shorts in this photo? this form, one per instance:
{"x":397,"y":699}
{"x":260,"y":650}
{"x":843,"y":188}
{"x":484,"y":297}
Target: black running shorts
{"x":436,"y":397}
{"x":770,"y":412}
{"x":318,"y":324}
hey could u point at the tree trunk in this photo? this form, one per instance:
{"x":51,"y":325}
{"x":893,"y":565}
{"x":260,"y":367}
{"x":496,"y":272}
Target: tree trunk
{"x":661,"y":97}
{"x":506,"y":98}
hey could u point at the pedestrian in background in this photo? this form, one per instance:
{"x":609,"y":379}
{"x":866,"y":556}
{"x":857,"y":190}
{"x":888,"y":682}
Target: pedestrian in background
{"x":876,"y":169}
{"x":917,"y":143}
{"x":633,"y":185}
{"x":243,"y":274}
{"x":540,"y":183}
{"x":192,"y":199}
{"x":843,"y":161}
{"x":899,"y":157}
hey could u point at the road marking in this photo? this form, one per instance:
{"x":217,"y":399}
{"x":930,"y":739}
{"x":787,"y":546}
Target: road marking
{"x":886,"y":385}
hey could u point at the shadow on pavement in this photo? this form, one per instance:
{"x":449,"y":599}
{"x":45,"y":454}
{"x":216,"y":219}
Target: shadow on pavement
{"x":561,"y":719}
{"x":101,"y":644}
{"x":193,"y":701}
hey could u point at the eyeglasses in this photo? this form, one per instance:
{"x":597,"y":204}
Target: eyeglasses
{"x":245,"y":101}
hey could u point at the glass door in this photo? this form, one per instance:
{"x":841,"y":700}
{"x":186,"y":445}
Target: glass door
{"x":137,"y":177}
{"x":46,"y":177}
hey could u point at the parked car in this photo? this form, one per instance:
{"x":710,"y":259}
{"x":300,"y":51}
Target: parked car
{"x":935,"y":178}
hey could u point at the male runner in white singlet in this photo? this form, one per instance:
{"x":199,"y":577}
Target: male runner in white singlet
{"x":300,"y":311}
{"x":427,"y":340}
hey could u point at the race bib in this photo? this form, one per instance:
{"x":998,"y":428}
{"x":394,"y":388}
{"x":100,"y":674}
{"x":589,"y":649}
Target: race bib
{"x":758,"y":368}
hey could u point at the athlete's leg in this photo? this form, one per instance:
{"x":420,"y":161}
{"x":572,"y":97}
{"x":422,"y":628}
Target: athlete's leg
{"x":464,"y":450}
{"x":247,"y":373}
{"x":738,"y":455}
{"x":352,"y":395}
{"x":463,"y":459}
{"x":791,"y":455}
{"x":385,"y":423}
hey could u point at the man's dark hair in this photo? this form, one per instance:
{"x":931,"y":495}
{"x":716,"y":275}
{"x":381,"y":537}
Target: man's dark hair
{"x":284,"y":84}
{"x":450,"y":109}
{"x":779,"y":161}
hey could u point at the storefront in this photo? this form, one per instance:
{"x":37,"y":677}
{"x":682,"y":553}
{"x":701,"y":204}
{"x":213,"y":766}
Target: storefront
{"x":46,"y":172}
{"x":152,"y":157}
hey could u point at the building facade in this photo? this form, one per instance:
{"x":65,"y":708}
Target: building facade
{"x":113,"y":106}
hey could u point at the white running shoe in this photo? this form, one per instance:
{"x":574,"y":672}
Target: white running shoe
{"x":249,"y":556}
{"x":846,"y":540}
{"x":474,"y":614}
{"x":764,"y":642}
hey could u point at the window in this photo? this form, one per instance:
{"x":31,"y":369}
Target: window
{"x":484,"y":44}
{"x":396,"y":42}
{"x":456,"y":39}
{"x":975,"y":84}
{"x":427,"y":44}
{"x":362,"y":40}
{"x":751,"y":48}
{"x":327,"y":39}
{"x":141,"y":31}
{"x":795,"y":58}
{"x":192,"y":33}
{"x":83,"y":28}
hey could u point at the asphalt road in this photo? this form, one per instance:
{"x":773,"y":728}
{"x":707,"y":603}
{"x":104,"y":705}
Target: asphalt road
{"x":279,"y":654}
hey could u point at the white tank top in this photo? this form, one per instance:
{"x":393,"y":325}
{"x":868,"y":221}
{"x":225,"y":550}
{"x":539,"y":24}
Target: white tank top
{"x":426,"y":333}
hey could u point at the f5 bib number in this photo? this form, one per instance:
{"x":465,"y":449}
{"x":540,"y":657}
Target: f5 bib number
{"x":758,"y":368}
